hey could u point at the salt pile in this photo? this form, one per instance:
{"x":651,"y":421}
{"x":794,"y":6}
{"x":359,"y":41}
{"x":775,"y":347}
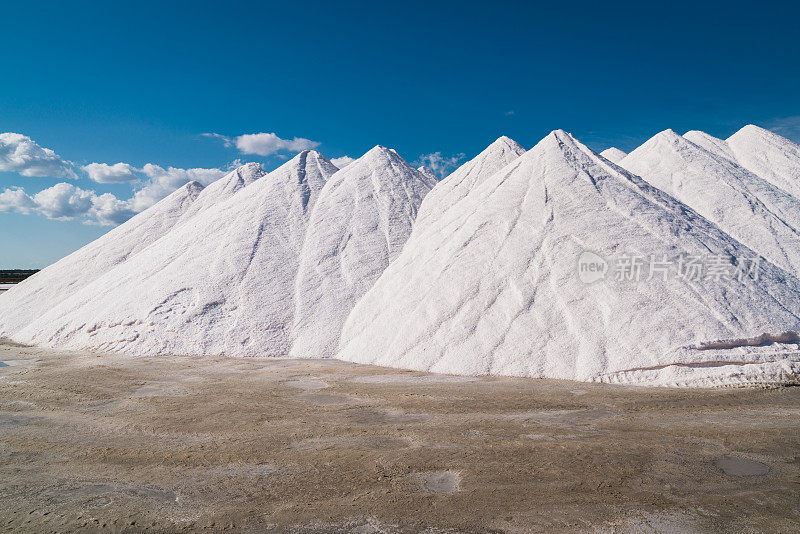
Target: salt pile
{"x":51,"y":285}
{"x":32,"y":297}
{"x":222,"y":189}
{"x":223,"y":284}
{"x":360,"y":223}
{"x":749,"y":208}
{"x":497,"y":290}
{"x":613,"y":154}
{"x":557,"y":262}
{"x":768,"y":155}
{"x":458,"y":184}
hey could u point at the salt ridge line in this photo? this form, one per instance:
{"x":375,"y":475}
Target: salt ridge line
{"x":497,"y":292}
{"x":359,"y":225}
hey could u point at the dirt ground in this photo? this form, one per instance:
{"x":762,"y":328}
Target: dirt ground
{"x":166,"y":444}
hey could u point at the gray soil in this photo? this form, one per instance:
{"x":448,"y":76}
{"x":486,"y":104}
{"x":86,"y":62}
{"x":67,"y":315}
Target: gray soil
{"x":112,"y":443}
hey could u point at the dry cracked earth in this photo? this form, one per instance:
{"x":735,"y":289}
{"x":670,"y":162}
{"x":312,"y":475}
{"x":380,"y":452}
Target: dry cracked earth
{"x":108,"y":443}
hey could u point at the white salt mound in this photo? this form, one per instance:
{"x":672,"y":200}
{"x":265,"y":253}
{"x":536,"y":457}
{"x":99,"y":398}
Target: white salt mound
{"x":223,"y":284}
{"x":39,"y":293}
{"x":360,"y":223}
{"x":461,"y":181}
{"x":32,"y":297}
{"x":712,"y":144}
{"x":613,"y":154}
{"x":497,"y":291}
{"x":749,"y":208}
{"x":770,"y":156}
{"x":764,"y":153}
{"x":224,"y":188}
{"x":428,"y":172}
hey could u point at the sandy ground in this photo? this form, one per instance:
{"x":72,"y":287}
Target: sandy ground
{"x":110,"y":443}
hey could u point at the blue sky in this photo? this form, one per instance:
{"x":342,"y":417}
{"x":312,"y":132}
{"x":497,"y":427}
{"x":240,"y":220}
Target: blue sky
{"x":140,"y":82}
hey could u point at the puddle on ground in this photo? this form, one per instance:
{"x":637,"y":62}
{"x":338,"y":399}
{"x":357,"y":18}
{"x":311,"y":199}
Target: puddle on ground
{"x":441,"y":482}
{"x":327,"y":399}
{"x":239,"y":470}
{"x":370,"y":443}
{"x":577,"y":419}
{"x":741,"y":467}
{"x":3,"y":364}
{"x":101,"y":494}
{"x":412,"y":379}
{"x":366,"y":416}
{"x":12,"y":421}
{"x":158,"y":390}
{"x":306,"y":383}
{"x":560,"y":437}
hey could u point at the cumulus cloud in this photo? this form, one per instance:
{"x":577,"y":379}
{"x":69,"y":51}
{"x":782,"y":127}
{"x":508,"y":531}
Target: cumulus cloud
{"x":66,"y":202}
{"x":163,"y":181}
{"x":21,"y":154}
{"x":342,"y":162}
{"x":439,"y":164}
{"x":108,"y":210}
{"x":265,"y":144}
{"x":63,"y":201}
{"x":16,"y":201}
{"x":107,"y":174}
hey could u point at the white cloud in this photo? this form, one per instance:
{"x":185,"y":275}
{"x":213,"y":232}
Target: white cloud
{"x":108,"y":210}
{"x":265,"y":144}
{"x":342,"y":162}
{"x":441,"y":165}
{"x":63,"y":201}
{"x":66,"y":202}
{"x":105,"y":174}
{"x":16,"y":200}
{"x":163,"y":181}
{"x":21,"y":154}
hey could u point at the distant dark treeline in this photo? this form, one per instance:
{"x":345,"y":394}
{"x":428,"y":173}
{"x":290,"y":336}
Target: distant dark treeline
{"x":13,"y":276}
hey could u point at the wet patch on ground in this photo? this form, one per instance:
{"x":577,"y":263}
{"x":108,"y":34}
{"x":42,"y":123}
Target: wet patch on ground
{"x":440,"y":482}
{"x":741,"y":467}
